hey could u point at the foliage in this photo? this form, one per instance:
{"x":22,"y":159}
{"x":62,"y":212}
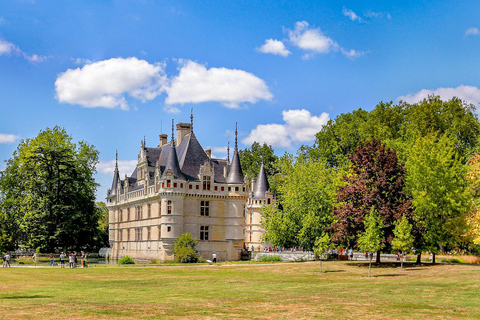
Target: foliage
{"x":473,"y":218}
{"x":322,"y":245}
{"x":403,"y":237}
{"x":48,"y":194}
{"x":102,"y":210}
{"x":305,"y":202}
{"x":270,"y":259}
{"x":251,"y":160}
{"x":185,"y":249}
{"x":126,"y":260}
{"x":375,"y":179}
{"x":437,"y":183}
{"x":372,"y":238}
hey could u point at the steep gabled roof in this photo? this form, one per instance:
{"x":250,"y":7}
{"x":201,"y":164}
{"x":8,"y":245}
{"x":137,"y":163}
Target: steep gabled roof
{"x":172,"y":162}
{"x":235,"y":174}
{"x":192,"y":156}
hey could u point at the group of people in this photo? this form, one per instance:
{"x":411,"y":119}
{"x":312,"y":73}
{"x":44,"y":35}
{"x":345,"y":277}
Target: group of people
{"x":72,"y":259}
{"x":6,"y":260}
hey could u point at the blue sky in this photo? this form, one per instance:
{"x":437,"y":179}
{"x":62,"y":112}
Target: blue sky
{"x":112,"y":72}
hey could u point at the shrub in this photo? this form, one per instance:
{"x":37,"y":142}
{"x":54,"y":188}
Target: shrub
{"x":186,"y":255}
{"x":270,"y":259}
{"x":126,"y":260}
{"x":452,"y":260}
{"x":185,"y":249}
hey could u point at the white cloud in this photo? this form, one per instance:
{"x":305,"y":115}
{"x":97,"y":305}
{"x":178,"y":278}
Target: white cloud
{"x":472,"y":32}
{"x":351,"y":15}
{"x":311,"y":39}
{"x":274,"y":46}
{"x":171,"y":109}
{"x":196,"y":84}
{"x":105,"y":83}
{"x":8,"y":138}
{"x":469,"y":94}
{"x":352,"y":54}
{"x":124,"y":167}
{"x":8,"y":48}
{"x":81,"y":61}
{"x":300,"y":126}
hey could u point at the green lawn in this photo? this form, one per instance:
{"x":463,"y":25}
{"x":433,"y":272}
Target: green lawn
{"x":278,"y":291}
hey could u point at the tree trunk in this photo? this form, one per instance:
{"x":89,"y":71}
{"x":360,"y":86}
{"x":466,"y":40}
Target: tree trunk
{"x":378,"y":257}
{"x":401,"y":263}
{"x":321,"y":260}
{"x":370,"y":267}
{"x":433,"y":258}
{"x":419,"y":258}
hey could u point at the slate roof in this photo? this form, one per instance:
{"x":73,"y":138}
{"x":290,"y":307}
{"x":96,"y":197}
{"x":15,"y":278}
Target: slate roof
{"x":172,"y":163}
{"x":261,"y":186}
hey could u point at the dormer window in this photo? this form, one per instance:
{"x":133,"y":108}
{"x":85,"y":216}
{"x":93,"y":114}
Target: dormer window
{"x":206,"y":182}
{"x":169,"y":183}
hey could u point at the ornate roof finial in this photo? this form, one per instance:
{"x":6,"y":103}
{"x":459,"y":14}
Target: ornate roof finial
{"x":228,"y":151}
{"x":116,"y":160}
{"x":173,"y":129}
{"x":144,"y":142}
{"x":191,"y":120}
{"x":236,"y":135}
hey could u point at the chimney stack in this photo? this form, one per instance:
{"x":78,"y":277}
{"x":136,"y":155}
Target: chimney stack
{"x":163,"y":139}
{"x":182,"y":130}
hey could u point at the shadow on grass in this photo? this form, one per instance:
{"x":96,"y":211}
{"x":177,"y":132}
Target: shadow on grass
{"x":395,"y":265}
{"x":37,"y":296}
{"x":389,"y":275}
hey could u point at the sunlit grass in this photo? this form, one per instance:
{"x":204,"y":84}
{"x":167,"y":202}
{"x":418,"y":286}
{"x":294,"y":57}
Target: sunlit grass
{"x":255,"y":291}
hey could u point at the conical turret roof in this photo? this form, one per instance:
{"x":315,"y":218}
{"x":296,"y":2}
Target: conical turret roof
{"x":235,"y":174}
{"x":172,"y":161}
{"x":116,"y":179}
{"x":261,"y":186}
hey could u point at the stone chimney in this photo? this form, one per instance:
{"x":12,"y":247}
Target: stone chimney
{"x":182,"y":130}
{"x":208,"y":151}
{"x":163,"y":139}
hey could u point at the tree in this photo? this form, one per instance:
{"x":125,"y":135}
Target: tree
{"x":102,"y":209}
{"x":251,"y":161}
{"x":304,"y":206}
{"x":403,"y":239}
{"x":48,"y":192}
{"x":372,"y":238}
{"x":473,"y":218}
{"x":185,"y":249}
{"x":436,"y":181}
{"x":375,"y":179}
{"x":322,"y":245}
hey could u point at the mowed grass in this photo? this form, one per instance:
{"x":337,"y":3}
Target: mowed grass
{"x":272,"y":291}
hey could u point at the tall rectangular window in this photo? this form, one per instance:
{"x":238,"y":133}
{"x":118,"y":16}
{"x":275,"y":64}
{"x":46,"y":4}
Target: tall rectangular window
{"x":120,"y":233}
{"x":149,"y":233}
{"x":206,"y":182}
{"x":128,"y":214}
{"x":120,"y":215}
{"x":139,"y":234}
{"x":128,"y":234}
{"x":159,"y":209}
{"x":149,"y":210}
{"x":169,"y":207}
{"x":204,"y":208}
{"x":203,"y":232}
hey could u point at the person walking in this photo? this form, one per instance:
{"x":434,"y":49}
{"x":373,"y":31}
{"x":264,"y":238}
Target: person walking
{"x":52,"y":260}
{"x":82,"y":258}
{"x":214,"y":258}
{"x":70,"y":260}
{"x":62,"y":259}
{"x":350,"y":254}
{"x":7,"y":260}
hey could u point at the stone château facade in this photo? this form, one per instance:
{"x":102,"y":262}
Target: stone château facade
{"x":176,"y":188}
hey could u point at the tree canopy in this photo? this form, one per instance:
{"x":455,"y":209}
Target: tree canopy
{"x":48,"y":193}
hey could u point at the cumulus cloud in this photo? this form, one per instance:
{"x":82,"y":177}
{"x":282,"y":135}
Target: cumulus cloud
{"x":351,"y":15}
{"x":8,"y":48}
{"x":8,"y":138}
{"x":469,"y":94}
{"x":105,"y":83}
{"x":171,"y":109}
{"x":274,"y":46}
{"x":300,"y":126}
{"x":311,"y":39}
{"x":124,"y":167}
{"x":472,"y":32}
{"x":196,"y":84}
{"x":352,"y":54}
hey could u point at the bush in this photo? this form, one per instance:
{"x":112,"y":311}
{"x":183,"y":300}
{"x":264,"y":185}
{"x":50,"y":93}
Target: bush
{"x":186,"y":255}
{"x":270,"y":259}
{"x":126,"y":260}
{"x":185,"y":249}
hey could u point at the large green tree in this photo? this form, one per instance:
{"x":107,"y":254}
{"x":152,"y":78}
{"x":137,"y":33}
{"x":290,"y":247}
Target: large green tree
{"x":48,"y":193}
{"x":437,"y":182}
{"x":304,"y":206}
